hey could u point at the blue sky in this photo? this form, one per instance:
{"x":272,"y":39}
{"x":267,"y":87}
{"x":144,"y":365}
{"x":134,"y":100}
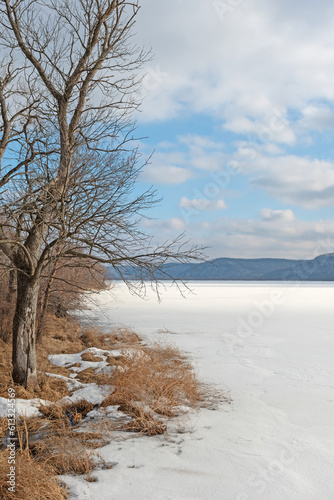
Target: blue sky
{"x":239,"y":110}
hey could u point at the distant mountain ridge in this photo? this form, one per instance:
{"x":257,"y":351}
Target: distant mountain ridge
{"x":320,"y":268}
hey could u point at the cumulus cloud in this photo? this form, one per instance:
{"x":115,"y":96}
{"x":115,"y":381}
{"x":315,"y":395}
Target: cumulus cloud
{"x":262,"y":238}
{"x":199,"y":142}
{"x":302,"y":181}
{"x":264,"y":73}
{"x":191,"y":154}
{"x":271,"y":128}
{"x":252,"y":238}
{"x":202,"y":204}
{"x":307,"y":182}
{"x":270,"y":215}
{"x":170,"y":227}
{"x":317,"y":117}
{"x":165,"y":174}
{"x":264,"y":55}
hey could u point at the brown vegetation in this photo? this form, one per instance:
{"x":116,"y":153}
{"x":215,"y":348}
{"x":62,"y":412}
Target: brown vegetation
{"x":89,"y":356}
{"x":33,"y":480}
{"x":60,"y":336}
{"x":59,"y":412}
{"x":161,"y":378}
{"x":92,"y":337}
{"x":143,"y":421}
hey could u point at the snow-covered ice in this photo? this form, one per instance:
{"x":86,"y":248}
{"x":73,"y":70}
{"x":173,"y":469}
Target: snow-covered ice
{"x":23,"y":407}
{"x":271,"y":345}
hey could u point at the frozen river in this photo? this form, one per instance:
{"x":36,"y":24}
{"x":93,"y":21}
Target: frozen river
{"x":272,"y":346}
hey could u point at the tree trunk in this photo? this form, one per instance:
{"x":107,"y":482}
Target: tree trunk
{"x":11,"y":285}
{"x":24,"y":340}
{"x":45,"y":304}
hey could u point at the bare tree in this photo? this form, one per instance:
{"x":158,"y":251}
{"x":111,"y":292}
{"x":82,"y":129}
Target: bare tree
{"x":68,"y":167}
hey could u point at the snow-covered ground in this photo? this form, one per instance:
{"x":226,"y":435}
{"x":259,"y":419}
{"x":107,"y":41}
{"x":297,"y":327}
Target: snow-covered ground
{"x":272,"y":346}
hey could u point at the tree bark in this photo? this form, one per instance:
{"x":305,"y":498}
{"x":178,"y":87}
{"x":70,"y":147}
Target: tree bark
{"x":24,"y":339}
{"x":11,"y":285}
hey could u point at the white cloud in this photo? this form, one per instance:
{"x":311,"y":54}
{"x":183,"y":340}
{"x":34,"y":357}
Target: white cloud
{"x":252,"y":238}
{"x":265,"y":71}
{"x":169,"y":165}
{"x":265,"y":238}
{"x":165,"y":174}
{"x":203,"y":153}
{"x":201,"y":142}
{"x":306,"y":182}
{"x":176,"y":223}
{"x":317,"y":117}
{"x":268,"y":214}
{"x":291,"y":179}
{"x":270,"y":128}
{"x":170,"y":227}
{"x":264,"y":55}
{"x":202,"y":204}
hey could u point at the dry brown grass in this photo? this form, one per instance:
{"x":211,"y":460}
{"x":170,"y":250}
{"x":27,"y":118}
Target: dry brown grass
{"x":58,"y":412}
{"x":124,"y":336}
{"x":61,"y":336}
{"x":88,"y":376}
{"x":3,"y":427}
{"x":143,"y":421}
{"x":93,"y":337}
{"x":162,"y":379}
{"x":119,"y":361}
{"x":54,"y":443}
{"x":93,"y":439}
{"x":156,"y":381}
{"x":45,"y":448}
{"x":33,"y":480}
{"x":6,"y":380}
{"x":53,"y":388}
{"x":160,"y":376}
{"x":89,"y":356}
{"x":64,"y":455}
